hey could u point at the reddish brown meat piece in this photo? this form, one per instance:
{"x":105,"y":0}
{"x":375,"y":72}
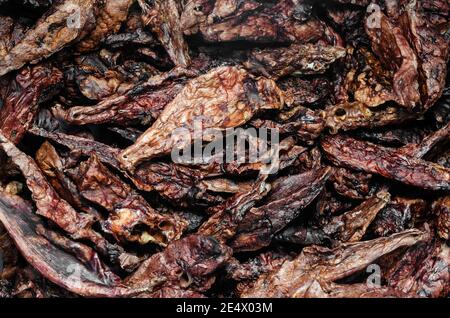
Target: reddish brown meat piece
{"x":186,"y":263}
{"x":164,"y":19}
{"x":389,"y":43}
{"x":65,"y":23}
{"x":226,"y":97}
{"x":289,"y":196}
{"x":296,"y":60}
{"x":389,"y":163}
{"x":303,"y":276}
{"x":131,"y":217}
{"x":21,"y":99}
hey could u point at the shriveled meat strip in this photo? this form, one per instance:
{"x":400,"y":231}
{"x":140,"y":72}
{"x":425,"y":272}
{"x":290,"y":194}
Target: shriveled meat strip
{"x":164,"y":19}
{"x":50,"y":205}
{"x":425,"y":23}
{"x":55,"y":264}
{"x":389,"y":163}
{"x":131,"y":217}
{"x":52,"y":166}
{"x":31,"y":87}
{"x":352,"y":225}
{"x":317,"y":265}
{"x":267,"y":23}
{"x":398,"y":215}
{"x":289,"y":196}
{"x":441,"y":208}
{"x":296,"y":59}
{"x":389,"y":43}
{"x":108,"y":21}
{"x":226,"y":97}
{"x":228,"y":216}
{"x":186,"y":263}
{"x":423,"y":271}
{"x":349,"y":116}
{"x":64,"y":24}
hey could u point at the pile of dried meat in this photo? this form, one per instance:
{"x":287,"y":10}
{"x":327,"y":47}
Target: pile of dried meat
{"x":346,"y":104}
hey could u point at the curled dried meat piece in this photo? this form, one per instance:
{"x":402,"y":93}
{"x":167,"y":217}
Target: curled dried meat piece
{"x":316,"y":264}
{"x":349,"y":116}
{"x":48,"y":202}
{"x":351,"y":184}
{"x":53,"y":263}
{"x":427,"y":30}
{"x":352,"y":225}
{"x":52,"y":166}
{"x":441,"y":208}
{"x":65,"y":23}
{"x":303,"y":91}
{"x":306,"y":124}
{"x":108,"y":21}
{"x":131,"y":217}
{"x":423,"y":271}
{"x":288,"y":197}
{"x":228,"y":215}
{"x":144,"y":107}
{"x":186,"y":263}
{"x":225,"y":97}
{"x":284,"y":21}
{"x":389,"y":163}
{"x":296,"y":59}
{"x":86,"y":146}
{"x":389,"y":43}
{"x":398,"y":215}
{"x":21,"y":98}
{"x":256,"y":266}
{"x":178,"y":184}
{"x":164,"y":19}
{"x":50,"y":205}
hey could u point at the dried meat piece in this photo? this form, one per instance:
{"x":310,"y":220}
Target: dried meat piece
{"x":399,"y":214}
{"x":164,"y":19}
{"x":227,"y":216}
{"x":316,"y":264}
{"x":65,"y":23}
{"x":51,"y":206}
{"x":349,"y":116}
{"x":52,"y":165}
{"x":351,"y":184}
{"x":144,"y":107}
{"x":186,"y":263}
{"x":285,"y":21}
{"x":56,"y":265}
{"x":226,"y":97}
{"x":389,"y":163}
{"x":131,"y":217}
{"x":441,"y":208}
{"x":288,"y":197}
{"x":31,"y":87}
{"x":86,"y":146}
{"x":352,"y":225}
{"x":255,"y":266}
{"x":296,"y":59}
{"x":301,"y":91}
{"x":331,"y":290}
{"x":389,"y":43}
{"x":108,"y":21}
{"x":427,"y":29}
{"x":306,"y":124}
{"x":423,"y":271}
